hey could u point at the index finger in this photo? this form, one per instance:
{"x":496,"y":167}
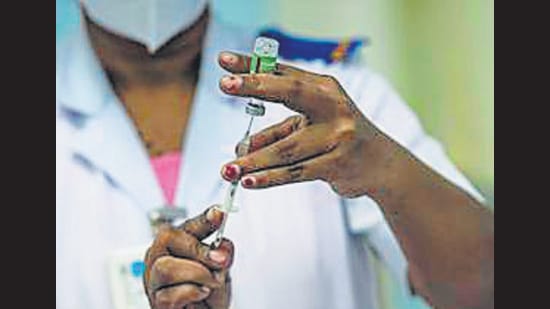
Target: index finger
{"x":318,"y":100}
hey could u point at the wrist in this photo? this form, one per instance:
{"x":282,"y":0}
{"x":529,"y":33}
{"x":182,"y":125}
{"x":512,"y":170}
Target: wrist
{"x":386,"y":167}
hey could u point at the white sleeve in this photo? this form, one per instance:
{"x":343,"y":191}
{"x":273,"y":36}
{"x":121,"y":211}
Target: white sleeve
{"x":383,"y":106}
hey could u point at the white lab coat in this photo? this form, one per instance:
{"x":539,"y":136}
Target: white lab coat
{"x":297,"y":246}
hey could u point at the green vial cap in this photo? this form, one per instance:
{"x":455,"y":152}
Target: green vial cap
{"x":264,"y":56}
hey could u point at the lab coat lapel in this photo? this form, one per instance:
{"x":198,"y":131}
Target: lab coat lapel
{"x":81,"y":84}
{"x":110,"y":143}
{"x":105,"y":137}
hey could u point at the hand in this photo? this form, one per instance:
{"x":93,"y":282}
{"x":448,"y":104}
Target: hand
{"x":333,"y":141}
{"x":182,"y":272}
{"x":330,"y":140}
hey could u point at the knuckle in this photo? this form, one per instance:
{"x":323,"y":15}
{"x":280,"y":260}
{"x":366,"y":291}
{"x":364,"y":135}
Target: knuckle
{"x":160,"y":268}
{"x":296,"y":88}
{"x":346,"y":131}
{"x":327,"y":84}
{"x":285,"y":151}
{"x":298,"y":121}
{"x":164,"y":301}
{"x":255,"y":81}
{"x":295,"y":172}
{"x":198,"y":252}
{"x":248,"y":163}
{"x":163,"y":237}
{"x":330,"y":145}
{"x":291,"y":124}
{"x":187,"y":247}
{"x":330,"y":89}
{"x":196,"y":224}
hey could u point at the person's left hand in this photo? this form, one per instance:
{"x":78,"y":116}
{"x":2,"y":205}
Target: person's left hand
{"x":330,"y":140}
{"x":183,"y":272}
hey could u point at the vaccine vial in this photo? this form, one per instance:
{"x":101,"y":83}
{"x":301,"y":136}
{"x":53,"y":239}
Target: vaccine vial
{"x":264,"y":60}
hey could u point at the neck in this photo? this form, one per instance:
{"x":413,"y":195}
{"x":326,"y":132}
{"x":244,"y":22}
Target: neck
{"x":128,"y":62}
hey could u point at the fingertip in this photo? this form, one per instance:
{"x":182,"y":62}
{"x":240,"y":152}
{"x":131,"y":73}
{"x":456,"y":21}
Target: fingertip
{"x":218,"y":256}
{"x":205,"y":291}
{"x":224,"y":81}
{"x":227,"y":245}
{"x":249,"y":181}
{"x":228,"y":248}
{"x":231,"y":83}
{"x":214,"y":215}
{"x":227,"y":58}
{"x":231,"y":172}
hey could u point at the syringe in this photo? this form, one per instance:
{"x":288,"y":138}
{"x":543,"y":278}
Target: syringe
{"x":263,"y":60}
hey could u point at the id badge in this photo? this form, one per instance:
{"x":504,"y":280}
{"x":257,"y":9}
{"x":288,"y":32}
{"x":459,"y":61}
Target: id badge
{"x":126,"y":268}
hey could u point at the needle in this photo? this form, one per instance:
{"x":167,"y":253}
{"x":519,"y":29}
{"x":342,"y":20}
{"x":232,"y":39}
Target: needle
{"x":227,"y":206}
{"x":264,"y":60}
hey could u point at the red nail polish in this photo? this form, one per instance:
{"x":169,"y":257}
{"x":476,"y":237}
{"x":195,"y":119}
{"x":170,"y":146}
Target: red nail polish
{"x":249,"y":181}
{"x":231,"y":172}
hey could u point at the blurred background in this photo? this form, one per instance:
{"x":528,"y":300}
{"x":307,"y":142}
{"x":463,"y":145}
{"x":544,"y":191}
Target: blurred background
{"x":437,"y":53}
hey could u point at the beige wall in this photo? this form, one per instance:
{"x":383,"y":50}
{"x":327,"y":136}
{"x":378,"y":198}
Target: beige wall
{"x":437,"y":53}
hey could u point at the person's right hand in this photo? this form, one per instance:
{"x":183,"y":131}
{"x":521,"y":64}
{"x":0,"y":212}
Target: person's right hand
{"x":183,"y":272}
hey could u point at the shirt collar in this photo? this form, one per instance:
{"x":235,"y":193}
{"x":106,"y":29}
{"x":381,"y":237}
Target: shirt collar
{"x":81,"y":83}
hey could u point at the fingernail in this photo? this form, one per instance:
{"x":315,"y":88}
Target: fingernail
{"x":217,"y":256}
{"x":211,"y":215}
{"x":231,"y":83}
{"x":249,"y":181}
{"x":231,"y":172}
{"x":228,"y":58}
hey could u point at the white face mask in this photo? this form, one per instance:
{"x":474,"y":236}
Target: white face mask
{"x":150,"y":22}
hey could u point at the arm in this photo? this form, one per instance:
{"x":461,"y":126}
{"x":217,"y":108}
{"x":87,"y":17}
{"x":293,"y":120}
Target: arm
{"x":387,"y":111}
{"x":446,"y":235}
